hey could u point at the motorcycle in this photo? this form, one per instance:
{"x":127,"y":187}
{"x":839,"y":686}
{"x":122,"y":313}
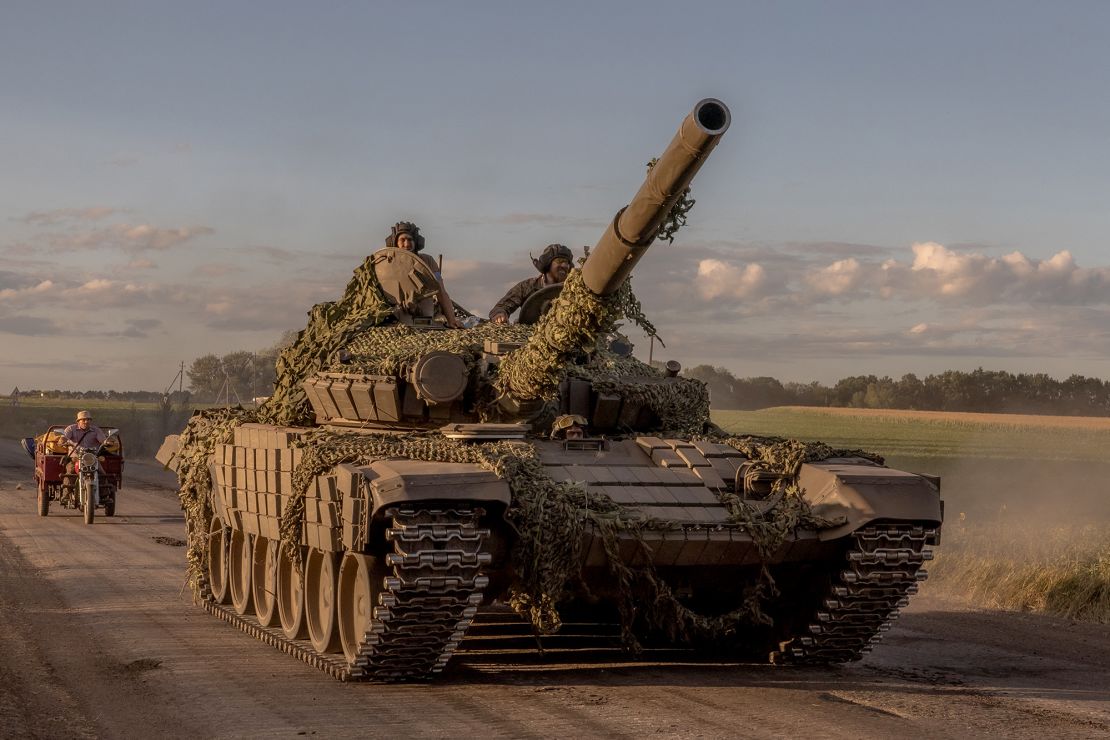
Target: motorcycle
{"x":88,"y":469}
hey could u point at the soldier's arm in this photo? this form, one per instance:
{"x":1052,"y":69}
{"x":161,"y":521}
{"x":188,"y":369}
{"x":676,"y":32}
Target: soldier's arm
{"x":512,"y":300}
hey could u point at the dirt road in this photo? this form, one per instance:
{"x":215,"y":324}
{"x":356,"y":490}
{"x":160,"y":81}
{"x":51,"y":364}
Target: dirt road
{"x":99,"y":640}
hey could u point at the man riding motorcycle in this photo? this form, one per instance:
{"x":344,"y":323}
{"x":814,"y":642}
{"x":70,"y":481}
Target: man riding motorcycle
{"x":81,"y":436}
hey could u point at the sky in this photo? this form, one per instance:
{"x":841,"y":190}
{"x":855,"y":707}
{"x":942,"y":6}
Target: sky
{"x":905,"y":187}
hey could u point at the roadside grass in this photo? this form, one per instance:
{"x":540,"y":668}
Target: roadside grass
{"x":1061,"y":569}
{"x":1027,"y":497}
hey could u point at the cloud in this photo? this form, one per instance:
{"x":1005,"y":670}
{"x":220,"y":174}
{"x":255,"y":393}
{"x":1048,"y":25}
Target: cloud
{"x":68,"y":215}
{"x":136,"y":328}
{"x":141,"y":263}
{"x":838,"y":278}
{"x":23,"y":291}
{"x":131,"y":238}
{"x":29,"y":326}
{"x":974,"y":278}
{"x":718,"y":279}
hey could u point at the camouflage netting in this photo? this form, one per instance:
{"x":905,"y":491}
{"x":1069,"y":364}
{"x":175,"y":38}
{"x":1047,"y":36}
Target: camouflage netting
{"x":330,"y":327}
{"x":205,"y":430}
{"x":680,"y":404}
{"x":550,"y":520}
{"x":386,"y":350}
{"x":574,"y":324}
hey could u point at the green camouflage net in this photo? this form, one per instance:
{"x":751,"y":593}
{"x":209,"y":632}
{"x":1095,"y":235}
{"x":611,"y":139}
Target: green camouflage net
{"x":330,"y":327}
{"x":676,"y":217}
{"x":550,"y":520}
{"x":205,"y":430}
{"x":573,"y":325}
{"x":386,"y":350}
{"x":550,"y":516}
{"x":789,"y":511}
{"x":681,"y":405}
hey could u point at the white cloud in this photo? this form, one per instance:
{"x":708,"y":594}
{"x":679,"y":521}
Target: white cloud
{"x":719,"y":279}
{"x":13,"y":295}
{"x":838,"y":278}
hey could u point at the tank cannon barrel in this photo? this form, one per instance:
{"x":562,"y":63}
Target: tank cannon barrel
{"x":635,"y":226}
{"x":579,"y":314}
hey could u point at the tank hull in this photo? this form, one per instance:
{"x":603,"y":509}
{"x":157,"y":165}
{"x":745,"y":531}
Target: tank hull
{"x":425,"y":546}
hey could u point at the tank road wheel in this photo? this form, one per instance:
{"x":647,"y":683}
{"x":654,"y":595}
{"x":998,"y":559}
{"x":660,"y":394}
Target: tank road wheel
{"x":239,"y":571}
{"x":264,"y":581}
{"x":44,"y":498}
{"x":290,"y":597}
{"x":320,"y":578}
{"x":360,"y":580}
{"x":217,"y":560}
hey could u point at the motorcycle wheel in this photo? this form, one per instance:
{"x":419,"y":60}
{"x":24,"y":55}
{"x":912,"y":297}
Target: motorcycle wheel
{"x":44,"y":499}
{"x":89,"y":500}
{"x":110,"y":508}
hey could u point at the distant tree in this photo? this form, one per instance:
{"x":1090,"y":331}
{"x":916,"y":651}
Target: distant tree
{"x":206,"y":377}
{"x":721,"y":382}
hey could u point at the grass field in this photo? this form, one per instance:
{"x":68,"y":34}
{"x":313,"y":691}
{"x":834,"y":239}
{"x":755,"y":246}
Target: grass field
{"x":928,"y":434}
{"x":142,"y":426}
{"x":1027,"y":523}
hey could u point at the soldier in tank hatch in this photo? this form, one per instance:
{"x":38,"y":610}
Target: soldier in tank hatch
{"x":406,"y":235}
{"x":554,"y":265}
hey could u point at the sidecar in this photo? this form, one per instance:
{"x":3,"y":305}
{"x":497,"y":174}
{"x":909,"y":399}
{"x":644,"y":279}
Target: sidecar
{"x":49,"y":452}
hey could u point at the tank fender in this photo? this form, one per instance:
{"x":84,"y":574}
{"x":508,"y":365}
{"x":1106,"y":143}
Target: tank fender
{"x":855,"y":491}
{"x":395,"y":482}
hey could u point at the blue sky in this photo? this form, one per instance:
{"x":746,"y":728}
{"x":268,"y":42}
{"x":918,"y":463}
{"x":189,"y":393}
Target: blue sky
{"x":906,"y":187}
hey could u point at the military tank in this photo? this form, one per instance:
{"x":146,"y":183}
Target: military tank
{"x":406,"y":478}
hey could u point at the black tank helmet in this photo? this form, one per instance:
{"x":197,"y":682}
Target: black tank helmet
{"x":550,"y":253}
{"x":405,"y":227}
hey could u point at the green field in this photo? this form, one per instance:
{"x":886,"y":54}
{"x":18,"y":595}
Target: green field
{"x":896,"y":434}
{"x":1027,"y":500}
{"x":142,"y":426}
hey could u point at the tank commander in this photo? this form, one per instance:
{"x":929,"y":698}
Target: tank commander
{"x":81,"y":435}
{"x":406,"y":235}
{"x":554,"y":266}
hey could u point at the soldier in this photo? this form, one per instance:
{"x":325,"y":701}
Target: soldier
{"x":406,"y":235}
{"x":554,"y":265}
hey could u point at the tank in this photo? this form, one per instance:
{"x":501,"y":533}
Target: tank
{"x":411,"y":492}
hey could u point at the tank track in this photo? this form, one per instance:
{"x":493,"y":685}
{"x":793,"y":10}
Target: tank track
{"x":427,"y":602}
{"x":884,"y":567}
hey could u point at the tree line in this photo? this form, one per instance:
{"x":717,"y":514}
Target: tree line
{"x":236,"y":377}
{"x":986,"y":391}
